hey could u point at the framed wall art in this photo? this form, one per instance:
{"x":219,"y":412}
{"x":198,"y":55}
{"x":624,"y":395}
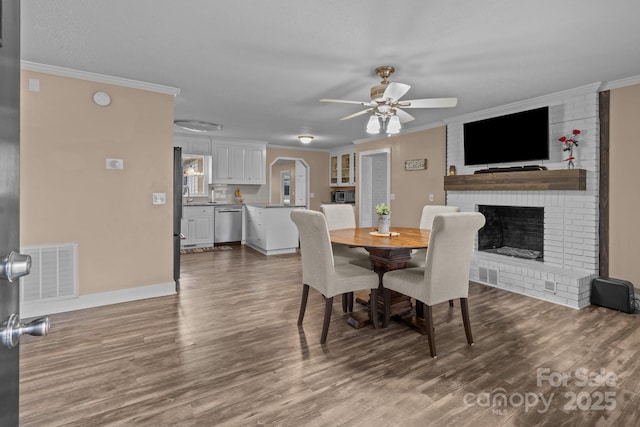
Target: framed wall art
{"x":415,"y":165}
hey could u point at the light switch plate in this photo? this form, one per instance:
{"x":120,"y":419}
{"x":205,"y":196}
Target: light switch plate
{"x":159,"y":198}
{"x":115,"y":164}
{"x":34,"y":85}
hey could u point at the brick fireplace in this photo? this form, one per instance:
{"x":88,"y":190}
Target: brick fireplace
{"x":516,"y":231}
{"x":568,"y":218}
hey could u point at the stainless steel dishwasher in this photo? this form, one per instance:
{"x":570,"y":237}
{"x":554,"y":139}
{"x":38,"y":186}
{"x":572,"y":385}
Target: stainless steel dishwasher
{"x":227,"y":224}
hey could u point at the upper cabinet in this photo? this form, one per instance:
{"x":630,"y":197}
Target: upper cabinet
{"x":342,"y":168}
{"x":193,"y":145}
{"x":239,"y":163}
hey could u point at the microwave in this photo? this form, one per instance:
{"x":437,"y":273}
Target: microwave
{"x":343,"y":196}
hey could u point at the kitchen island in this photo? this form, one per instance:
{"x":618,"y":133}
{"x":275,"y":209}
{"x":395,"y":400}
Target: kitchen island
{"x":269,"y":229}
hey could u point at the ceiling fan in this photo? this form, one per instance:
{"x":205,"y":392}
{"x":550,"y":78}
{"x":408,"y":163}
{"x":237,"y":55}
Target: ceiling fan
{"x":386,"y":104}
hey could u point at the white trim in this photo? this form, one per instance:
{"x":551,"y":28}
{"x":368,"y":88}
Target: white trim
{"x":307,"y":179}
{"x":97,"y":300}
{"x":98,"y":78}
{"x":541,"y":101}
{"x":287,"y":147}
{"x":616,"y":84}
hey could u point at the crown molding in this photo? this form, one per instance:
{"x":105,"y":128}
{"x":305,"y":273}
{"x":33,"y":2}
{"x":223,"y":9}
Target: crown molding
{"x":540,"y":101}
{"x":98,"y":78}
{"x":616,"y":84}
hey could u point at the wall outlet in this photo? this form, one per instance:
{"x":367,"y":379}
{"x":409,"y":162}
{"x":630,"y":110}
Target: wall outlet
{"x":159,"y":198}
{"x":431,"y":198}
{"x":392,"y":196}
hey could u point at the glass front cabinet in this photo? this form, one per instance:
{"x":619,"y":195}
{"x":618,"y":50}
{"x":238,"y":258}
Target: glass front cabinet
{"x":342,"y":171}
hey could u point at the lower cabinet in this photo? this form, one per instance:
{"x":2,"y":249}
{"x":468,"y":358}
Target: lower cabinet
{"x":197,"y":226}
{"x":270,"y":230}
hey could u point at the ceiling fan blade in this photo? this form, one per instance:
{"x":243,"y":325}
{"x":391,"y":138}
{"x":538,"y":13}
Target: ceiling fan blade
{"x":430,"y":103}
{"x":343,"y":101}
{"x":395,"y":91}
{"x":359,"y":113}
{"x":404,"y":116}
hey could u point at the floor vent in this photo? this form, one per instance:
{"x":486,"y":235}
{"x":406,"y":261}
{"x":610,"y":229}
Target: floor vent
{"x":53,"y":273}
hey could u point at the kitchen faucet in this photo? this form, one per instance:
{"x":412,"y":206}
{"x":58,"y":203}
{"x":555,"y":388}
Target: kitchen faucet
{"x":187,"y":192}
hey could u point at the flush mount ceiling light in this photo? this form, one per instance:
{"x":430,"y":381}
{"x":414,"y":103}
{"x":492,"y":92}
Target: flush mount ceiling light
{"x":305,"y":139}
{"x":197,"y":125}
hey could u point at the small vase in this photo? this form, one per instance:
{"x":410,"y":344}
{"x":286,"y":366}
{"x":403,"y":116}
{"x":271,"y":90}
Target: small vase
{"x":570,"y":164}
{"x":384,"y":221}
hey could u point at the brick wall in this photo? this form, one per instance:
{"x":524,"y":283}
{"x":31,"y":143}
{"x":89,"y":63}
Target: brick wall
{"x":570,"y":217}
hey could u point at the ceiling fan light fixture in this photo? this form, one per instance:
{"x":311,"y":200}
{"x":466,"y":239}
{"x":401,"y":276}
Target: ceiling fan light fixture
{"x":373,"y":126}
{"x":197,"y":125}
{"x":305,"y":139}
{"x":394,"y":125}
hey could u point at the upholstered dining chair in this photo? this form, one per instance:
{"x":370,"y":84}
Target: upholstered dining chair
{"x":446,"y":273}
{"x":343,"y":216}
{"x":321,"y":273}
{"x":426,"y":221}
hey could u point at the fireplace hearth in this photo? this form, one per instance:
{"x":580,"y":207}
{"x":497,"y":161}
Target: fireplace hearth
{"x":515,"y":231}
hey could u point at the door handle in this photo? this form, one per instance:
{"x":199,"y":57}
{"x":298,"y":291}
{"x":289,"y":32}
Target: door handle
{"x":14,"y":265}
{"x":12,"y":329}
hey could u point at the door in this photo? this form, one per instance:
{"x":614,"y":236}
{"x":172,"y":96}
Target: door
{"x":9,"y":196}
{"x":12,"y":264}
{"x":375,"y":184}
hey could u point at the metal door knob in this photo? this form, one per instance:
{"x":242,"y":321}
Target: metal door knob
{"x":14,"y":265}
{"x":12,"y":330}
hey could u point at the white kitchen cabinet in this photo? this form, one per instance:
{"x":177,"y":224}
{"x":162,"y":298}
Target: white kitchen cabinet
{"x":270,"y":231}
{"x":342,"y":170}
{"x":193,"y":145}
{"x":239,"y":163}
{"x":254,"y":172}
{"x":197,"y":226}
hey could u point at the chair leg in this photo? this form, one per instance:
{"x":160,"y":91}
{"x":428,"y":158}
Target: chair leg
{"x":327,"y":318}
{"x":303,"y":303}
{"x":386,"y":293}
{"x":464,"y":306}
{"x":430,"y":331}
{"x":350,"y":302}
{"x":450,"y":303}
{"x":373,"y":307}
{"x":345,"y":302}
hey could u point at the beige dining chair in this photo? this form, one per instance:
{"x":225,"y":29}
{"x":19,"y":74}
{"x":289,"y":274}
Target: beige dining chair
{"x":321,"y":273}
{"x":446,"y":273}
{"x":426,"y":221}
{"x":343,"y":216}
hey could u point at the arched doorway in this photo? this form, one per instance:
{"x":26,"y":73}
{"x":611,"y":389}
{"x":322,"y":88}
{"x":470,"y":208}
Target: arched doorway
{"x":296,"y":172}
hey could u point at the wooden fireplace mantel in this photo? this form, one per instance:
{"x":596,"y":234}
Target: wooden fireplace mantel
{"x":562,"y":179}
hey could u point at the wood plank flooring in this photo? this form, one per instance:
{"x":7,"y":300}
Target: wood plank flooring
{"x":227,"y":351}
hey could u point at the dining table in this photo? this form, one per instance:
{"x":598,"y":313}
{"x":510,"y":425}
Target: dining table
{"x":387,"y":252}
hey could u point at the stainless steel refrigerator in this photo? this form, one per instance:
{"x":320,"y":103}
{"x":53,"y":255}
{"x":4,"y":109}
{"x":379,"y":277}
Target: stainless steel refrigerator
{"x":177,"y":212}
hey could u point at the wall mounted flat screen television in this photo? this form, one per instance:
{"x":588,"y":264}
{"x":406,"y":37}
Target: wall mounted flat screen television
{"x":517,"y":137}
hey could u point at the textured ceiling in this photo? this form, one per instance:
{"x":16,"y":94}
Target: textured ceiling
{"x":259,"y":68}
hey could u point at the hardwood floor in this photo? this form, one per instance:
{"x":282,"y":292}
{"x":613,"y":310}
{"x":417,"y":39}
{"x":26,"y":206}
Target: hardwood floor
{"x":227,"y":351}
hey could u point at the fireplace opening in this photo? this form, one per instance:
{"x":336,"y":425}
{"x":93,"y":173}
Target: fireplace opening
{"x":512,"y":230}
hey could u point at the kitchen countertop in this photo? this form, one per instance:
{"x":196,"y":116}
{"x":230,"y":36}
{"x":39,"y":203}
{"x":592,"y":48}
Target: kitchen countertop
{"x":210,"y":204}
{"x":274,"y":205}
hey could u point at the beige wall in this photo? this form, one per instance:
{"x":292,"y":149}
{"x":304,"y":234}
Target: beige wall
{"x":411,"y":188}
{"x":624,"y":197}
{"x":67,"y":195}
{"x":318,"y":162}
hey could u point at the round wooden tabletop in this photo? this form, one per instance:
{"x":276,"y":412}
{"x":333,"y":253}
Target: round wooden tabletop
{"x":407,"y":238}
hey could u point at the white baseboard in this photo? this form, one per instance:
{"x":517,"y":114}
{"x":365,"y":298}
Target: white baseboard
{"x":96,"y":300}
